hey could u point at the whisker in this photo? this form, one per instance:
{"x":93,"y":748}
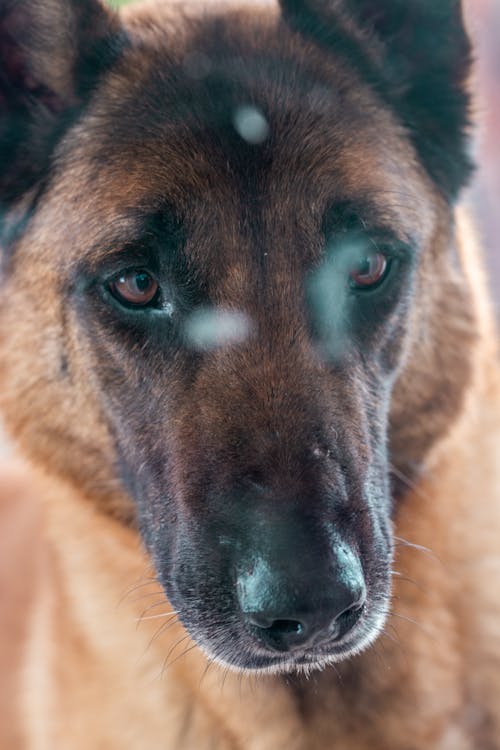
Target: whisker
{"x":417,"y":624}
{"x":155,"y":617}
{"x":240,"y":685}
{"x":173,"y":620}
{"x":146,"y":596}
{"x":408,"y":482}
{"x":402,"y":577}
{"x":400,"y":541}
{"x":224,"y":678}
{"x":379,"y":655}
{"x":177,"y":643}
{"x":184,"y":653}
{"x":406,"y":649}
{"x":205,"y":671}
{"x":392,"y":638}
{"x":161,"y":602}
{"x":135,"y":587}
{"x":413,"y":545}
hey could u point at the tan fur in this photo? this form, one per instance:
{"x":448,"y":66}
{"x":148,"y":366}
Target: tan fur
{"x":98,"y":659}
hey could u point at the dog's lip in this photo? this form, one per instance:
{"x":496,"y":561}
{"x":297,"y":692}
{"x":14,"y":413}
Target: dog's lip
{"x":308,"y":655}
{"x":320,"y":655}
{"x":296,"y":660}
{"x":317,"y":655}
{"x":241,"y":655}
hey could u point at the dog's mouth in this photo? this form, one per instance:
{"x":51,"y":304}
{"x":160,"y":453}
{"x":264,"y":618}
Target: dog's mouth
{"x":249,"y":655}
{"x":297,"y":612}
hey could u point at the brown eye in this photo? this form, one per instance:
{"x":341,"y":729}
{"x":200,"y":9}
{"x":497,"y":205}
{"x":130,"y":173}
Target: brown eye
{"x":137,"y":288}
{"x":369,"y":271}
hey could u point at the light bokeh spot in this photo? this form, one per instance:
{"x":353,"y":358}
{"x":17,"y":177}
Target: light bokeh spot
{"x":328,"y":294}
{"x":213,"y":328}
{"x":251,"y":124}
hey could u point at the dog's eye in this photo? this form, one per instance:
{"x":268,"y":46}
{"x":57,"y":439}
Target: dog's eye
{"x":135,"y":287}
{"x":369,"y":271}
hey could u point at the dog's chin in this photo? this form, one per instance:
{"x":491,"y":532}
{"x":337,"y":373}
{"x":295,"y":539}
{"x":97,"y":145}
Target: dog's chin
{"x":248,"y":658}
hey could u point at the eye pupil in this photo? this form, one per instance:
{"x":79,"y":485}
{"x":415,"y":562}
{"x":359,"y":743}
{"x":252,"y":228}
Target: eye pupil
{"x":365,"y":267}
{"x":136,"y":288}
{"x":370,"y":271}
{"x":143,"y":282}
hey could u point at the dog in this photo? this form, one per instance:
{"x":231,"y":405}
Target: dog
{"x":247,"y":348}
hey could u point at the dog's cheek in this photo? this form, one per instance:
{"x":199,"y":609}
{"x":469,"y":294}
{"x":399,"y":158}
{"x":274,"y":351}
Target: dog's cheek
{"x":435,"y":375}
{"x":46,"y":391}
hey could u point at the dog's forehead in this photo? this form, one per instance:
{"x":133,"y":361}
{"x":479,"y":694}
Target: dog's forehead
{"x":230,"y":117}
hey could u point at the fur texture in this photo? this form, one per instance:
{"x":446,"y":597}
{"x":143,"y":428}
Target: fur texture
{"x":207,"y":501}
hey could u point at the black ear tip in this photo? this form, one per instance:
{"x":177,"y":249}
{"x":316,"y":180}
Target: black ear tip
{"x":417,"y":55}
{"x":52,"y":53}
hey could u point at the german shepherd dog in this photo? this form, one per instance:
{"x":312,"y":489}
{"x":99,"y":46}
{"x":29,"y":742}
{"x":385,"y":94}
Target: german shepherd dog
{"x":246,"y":345}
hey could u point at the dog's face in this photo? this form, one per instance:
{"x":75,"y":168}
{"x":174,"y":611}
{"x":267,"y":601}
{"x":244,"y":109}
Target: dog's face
{"x":224,"y":248}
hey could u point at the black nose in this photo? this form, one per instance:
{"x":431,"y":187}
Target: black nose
{"x":284,"y":613}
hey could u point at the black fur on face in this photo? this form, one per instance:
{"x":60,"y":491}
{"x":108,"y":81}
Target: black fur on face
{"x":254,"y":179}
{"x":250,"y":398}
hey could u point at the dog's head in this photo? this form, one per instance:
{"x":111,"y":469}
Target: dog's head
{"x":230,"y":286}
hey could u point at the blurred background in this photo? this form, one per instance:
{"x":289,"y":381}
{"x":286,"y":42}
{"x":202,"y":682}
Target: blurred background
{"x":483,"y":17}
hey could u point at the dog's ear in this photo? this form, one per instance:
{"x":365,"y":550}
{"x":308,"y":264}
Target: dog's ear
{"x":52,"y":53}
{"x":416,"y":54}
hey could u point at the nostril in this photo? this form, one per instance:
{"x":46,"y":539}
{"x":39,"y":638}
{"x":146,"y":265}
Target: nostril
{"x":282,"y":634}
{"x":287,"y":627}
{"x":357,"y":606}
{"x":353,"y":611}
{"x":277,"y":627}
{"x":346,"y":620}
{"x":283,"y":613}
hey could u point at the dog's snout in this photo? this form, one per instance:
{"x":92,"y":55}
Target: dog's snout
{"x":284,"y":613}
